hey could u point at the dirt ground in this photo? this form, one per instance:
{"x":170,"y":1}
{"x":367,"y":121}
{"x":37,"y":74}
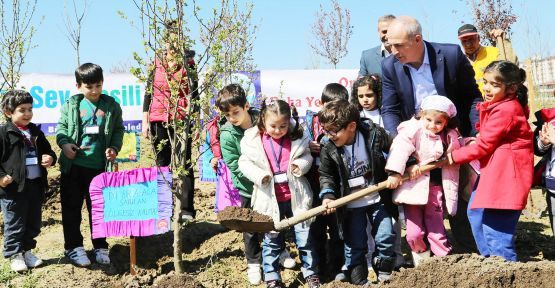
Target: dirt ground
{"x":213,"y":257}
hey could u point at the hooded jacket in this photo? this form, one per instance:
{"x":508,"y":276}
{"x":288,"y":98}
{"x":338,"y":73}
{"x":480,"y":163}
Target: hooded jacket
{"x":13,"y":154}
{"x":413,"y":139}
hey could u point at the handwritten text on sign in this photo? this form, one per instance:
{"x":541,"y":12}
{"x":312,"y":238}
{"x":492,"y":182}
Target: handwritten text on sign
{"x":137,"y":202}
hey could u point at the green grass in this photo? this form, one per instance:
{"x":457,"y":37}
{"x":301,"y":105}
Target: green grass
{"x":6,"y":273}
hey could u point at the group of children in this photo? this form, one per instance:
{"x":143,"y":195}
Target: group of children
{"x":282,"y":168}
{"x":89,"y":133}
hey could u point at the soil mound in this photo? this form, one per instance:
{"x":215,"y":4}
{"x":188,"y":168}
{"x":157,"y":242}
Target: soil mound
{"x":337,"y":284}
{"x":177,"y":281}
{"x":475,"y":271}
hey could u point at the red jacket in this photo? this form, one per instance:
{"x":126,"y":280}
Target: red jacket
{"x":161,"y":110}
{"x":214,"y":132}
{"x":505,"y":150}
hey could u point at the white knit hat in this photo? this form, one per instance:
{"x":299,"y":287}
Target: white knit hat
{"x":439,"y":103}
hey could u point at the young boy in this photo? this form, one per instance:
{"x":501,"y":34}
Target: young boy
{"x":351,"y":161}
{"x":330,"y":261}
{"x":24,"y":156}
{"x":233,"y":105}
{"x":90,"y":133}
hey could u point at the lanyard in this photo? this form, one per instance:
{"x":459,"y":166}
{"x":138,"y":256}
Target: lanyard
{"x":353,"y":154}
{"x":278,"y":158}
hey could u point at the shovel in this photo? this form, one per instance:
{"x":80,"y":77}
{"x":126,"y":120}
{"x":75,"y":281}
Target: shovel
{"x":250,"y":226}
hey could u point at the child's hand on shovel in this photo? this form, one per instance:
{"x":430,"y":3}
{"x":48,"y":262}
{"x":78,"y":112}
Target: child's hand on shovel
{"x":325,"y":203}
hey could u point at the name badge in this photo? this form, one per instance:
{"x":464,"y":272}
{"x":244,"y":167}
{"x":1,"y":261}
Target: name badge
{"x":31,"y":161}
{"x":317,"y":161}
{"x":92,"y":130}
{"x":357,"y":182}
{"x":280,"y":178}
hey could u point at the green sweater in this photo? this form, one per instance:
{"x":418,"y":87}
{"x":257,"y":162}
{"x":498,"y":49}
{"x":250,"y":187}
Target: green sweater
{"x":230,"y":140}
{"x":70,"y":129}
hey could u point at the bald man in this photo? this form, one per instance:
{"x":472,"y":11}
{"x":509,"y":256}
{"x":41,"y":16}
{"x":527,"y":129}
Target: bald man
{"x":420,"y":68}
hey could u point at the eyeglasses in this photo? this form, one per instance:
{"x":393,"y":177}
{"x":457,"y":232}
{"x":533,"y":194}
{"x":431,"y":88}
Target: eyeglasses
{"x":333,"y":133}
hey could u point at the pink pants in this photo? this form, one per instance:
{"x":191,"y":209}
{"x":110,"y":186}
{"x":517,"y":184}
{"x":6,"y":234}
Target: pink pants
{"x":427,"y":220}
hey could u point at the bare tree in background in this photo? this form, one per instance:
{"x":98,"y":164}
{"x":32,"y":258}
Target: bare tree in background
{"x":218,"y":55}
{"x":492,"y":14}
{"x":73,"y":24}
{"x":332,"y":30}
{"x":124,"y":66}
{"x":16,"y":34}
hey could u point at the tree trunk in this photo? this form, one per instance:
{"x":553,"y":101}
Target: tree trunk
{"x":177,"y":241}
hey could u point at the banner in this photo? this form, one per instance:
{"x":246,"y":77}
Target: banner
{"x":302,"y":88}
{"x":136,"y":202}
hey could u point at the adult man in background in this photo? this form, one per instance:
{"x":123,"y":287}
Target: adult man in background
{"x":371,"y":59}
{"x":481,"y":56}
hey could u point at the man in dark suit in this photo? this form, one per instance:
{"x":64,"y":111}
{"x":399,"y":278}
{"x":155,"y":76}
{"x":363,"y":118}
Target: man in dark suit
{"x":419,"y":69}
{"x":371,"y":59}
{"x":422,"y":68}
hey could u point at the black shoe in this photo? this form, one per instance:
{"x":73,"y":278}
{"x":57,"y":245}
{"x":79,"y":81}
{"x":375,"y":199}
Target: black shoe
{"x":313,"y":281}
{"x":274,"y":284}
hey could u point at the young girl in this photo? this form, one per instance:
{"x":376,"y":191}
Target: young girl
{"x":543,"y":146}
{"x":426,"y":137}
{"x":275,"y":157}
{"x":24,"y":156}
{"x":367,"y":95}
{"x":504,"y":149}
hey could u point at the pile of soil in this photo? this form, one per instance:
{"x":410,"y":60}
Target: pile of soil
{"x":467,"y":270}
{"x":337,"y":284}
{"x":242,"y":214}
{"x":245,"y":220}
{"x":177,"y":281}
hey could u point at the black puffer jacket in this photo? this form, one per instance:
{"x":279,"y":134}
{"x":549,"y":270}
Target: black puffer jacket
{"x":13,"y":152}
{"x":333,"y":173}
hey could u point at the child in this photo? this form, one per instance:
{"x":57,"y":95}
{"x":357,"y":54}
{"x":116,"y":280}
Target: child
{"x":275,"y":158}
{"x":367,"y":95}
{"x":232,"y":103}
{"x":226,"y":194}
{"x":329,"y":261}
{"x":543,"y":146}
{"x":90,"y":133}
{"x":426,"y":137}
{"x":504,"y":149}
{"x":351,"y":161}
{"x":23,"y":179}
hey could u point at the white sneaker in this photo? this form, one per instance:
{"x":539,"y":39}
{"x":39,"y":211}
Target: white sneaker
{"x":253,"y":274}
{"x":31,"y":260}
{"x":17,"y":263}
{"x":286,"y":261}
{"x":102,"y":256}
{"x":417,"y":258}
{"x":78,"y":256}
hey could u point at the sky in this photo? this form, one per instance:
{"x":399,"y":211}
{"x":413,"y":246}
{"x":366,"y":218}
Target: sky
{"x":283,"y":33}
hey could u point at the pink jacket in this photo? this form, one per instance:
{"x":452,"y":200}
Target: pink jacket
{"x":413,"y":139}
{"x":160,"y":108}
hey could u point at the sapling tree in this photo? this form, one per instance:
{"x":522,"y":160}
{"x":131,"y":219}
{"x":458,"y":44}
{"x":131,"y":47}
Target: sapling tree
{"x":223,"y":38}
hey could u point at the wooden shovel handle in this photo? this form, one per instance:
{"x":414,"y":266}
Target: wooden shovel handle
{"x":288,"y":222}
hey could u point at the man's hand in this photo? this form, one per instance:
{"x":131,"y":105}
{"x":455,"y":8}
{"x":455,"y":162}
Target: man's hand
{"x":325,"y":203}
{"x":46,"y":161}
{"x":393,"y":181}
{"x":5,"y":181}
{"x":110,"y":154}
{"x":70,"y":150}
